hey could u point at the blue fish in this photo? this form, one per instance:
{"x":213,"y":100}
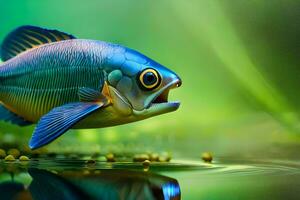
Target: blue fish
{"x":106,"y":185}
{"x":58,"y":82}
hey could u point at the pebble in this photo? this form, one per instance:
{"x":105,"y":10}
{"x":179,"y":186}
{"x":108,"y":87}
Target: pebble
{"x":146,"y":163}
{"x":165,"y":157}
{"x":24,"y":158}
{"x":110,"y":157}
{"x":10,"y":158}
{"x":102,"y":159}
{"x":207,"y":157}
{"x":2,"y":153}
{"x":140,"y":157}
{"x":154,"y":157}
{"x":15,"y":152}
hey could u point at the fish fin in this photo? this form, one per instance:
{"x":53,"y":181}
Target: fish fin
{"x":27,"y":37}
{"x":91,"y":95}
{"x":8,"y":116}
{"x":44,"y":181}
{"x":59,"y":120}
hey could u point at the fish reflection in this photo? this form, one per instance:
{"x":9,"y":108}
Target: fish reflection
{"x":95,"y":184}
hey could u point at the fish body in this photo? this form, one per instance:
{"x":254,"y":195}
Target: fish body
{"x":50,"y":76}
{"x":106,"y":185}
{"x":60,"y":82}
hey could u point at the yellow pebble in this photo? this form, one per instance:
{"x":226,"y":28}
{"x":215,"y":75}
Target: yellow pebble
{"x":154,"y":157}
{"x":24,"y":158}
{"x":110,"y":157}
{"x":207,"y":157}
{"x":146,"y":163}
{"x":10,"y":158}
{"x":140,"y":157}
{"x":165,"y":157}
{"x":2,"y":153}
{"x":14,"y":152}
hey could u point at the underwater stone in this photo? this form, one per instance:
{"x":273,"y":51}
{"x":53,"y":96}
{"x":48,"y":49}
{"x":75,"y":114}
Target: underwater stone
{"x":114,"y":77}
{"x":146,"y":163}
{"x":2,"y":153}
{"x":110,"y":157}
{"x":207,"y":157}
{"x":102,"y":159}
{"x":15,"y":152}
{"x":165,"y":157}
{"x":140,"y":157}
{"x":24,"y":158}
{"x":9,"y":158}
{"x":154,"y":157}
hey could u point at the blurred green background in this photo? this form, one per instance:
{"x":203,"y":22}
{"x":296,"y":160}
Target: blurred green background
{"x":238,"y":59}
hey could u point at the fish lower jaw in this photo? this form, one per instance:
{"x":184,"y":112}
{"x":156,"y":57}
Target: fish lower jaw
{"x":157,"y":109}
{"x":175,"y":104}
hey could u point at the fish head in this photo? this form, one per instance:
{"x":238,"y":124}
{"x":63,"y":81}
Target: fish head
{"x":139,"y":86}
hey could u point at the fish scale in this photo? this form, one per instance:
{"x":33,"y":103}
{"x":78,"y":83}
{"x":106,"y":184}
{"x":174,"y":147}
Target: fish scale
{"x":32,"y":88}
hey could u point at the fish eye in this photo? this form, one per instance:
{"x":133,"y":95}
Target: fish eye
{"x":149,"y":79}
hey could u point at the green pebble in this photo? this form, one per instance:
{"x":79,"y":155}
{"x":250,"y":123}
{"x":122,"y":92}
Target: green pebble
{"x":10,"y":158}
{"x":102,"y":159}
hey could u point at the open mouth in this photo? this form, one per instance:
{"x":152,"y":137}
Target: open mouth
{"x":162,"y":96}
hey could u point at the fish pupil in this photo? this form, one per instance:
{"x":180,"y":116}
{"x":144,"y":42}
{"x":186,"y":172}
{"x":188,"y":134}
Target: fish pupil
{"x":149,"y":78}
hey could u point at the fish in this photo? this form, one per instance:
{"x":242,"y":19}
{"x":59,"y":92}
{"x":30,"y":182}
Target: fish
{"x":102,"y":184}
{"x":59,"y":82}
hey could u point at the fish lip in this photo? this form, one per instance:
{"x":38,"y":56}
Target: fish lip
{"x":174,"y":84}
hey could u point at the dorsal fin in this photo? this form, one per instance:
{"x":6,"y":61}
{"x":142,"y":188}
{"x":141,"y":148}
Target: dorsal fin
{"x":27,"y":37}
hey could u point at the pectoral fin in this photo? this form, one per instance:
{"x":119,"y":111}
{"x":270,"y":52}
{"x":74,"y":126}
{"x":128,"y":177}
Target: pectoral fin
{"x":59,"y":120}
{"x":91,"y":95}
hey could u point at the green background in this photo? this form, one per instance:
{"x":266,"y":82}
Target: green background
{"x":238,"y":59}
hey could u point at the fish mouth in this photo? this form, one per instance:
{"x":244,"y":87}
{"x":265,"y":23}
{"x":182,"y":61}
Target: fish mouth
{"x":160,"y":99}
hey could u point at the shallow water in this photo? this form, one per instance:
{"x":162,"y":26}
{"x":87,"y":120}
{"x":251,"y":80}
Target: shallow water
{"x":180,"y":179}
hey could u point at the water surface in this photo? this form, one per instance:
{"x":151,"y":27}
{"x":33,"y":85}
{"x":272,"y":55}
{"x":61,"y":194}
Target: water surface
{"x":179,"y":179}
